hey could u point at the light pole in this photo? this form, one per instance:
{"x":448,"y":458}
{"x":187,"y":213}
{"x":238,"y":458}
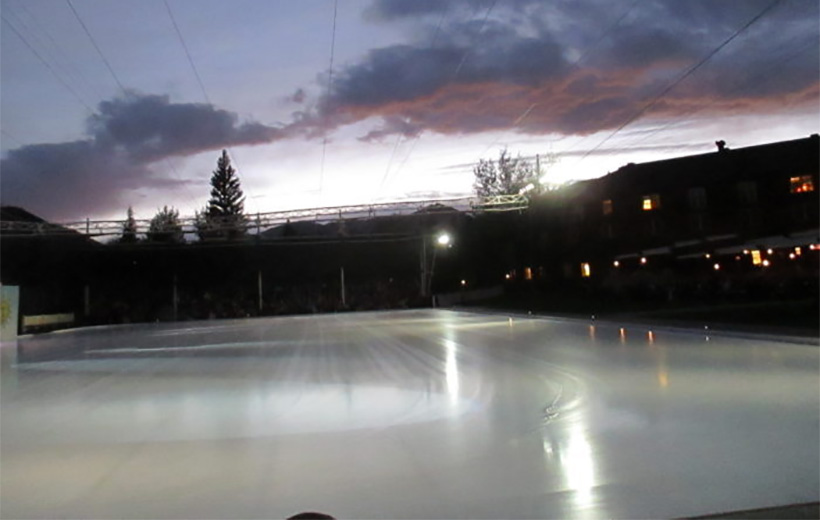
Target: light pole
{"x":442,"y":239}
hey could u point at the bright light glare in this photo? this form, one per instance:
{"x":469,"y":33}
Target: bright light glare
{"x":451,"y":370}
{"x":717,"y":267}
{"x":443,"y":239}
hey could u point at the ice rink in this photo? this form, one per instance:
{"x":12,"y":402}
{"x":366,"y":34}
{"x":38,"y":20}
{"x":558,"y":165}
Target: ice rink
{"x":414,"y":414}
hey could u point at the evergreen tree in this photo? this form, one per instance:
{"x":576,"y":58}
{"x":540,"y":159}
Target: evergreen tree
{"x":129,"y":228}
{"x":225,"y":212}
{"x":165,"y":226}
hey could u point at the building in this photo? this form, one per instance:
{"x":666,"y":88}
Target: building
{"x":730,"y":210}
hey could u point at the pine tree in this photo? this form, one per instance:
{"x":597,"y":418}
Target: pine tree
{"x":129,"y":228}
{"x":225,"y":211}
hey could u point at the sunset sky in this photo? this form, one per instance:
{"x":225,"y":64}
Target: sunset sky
{"x":111,"y":103}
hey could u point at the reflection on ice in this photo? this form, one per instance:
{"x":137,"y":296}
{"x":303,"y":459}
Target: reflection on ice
{"x":451,"y":371}
{"x":574,"y":457}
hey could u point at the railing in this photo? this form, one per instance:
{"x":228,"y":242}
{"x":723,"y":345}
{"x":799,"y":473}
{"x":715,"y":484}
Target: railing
{"x":261,"y":221}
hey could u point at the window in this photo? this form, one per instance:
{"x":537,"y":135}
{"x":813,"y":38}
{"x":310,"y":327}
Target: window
{"x":586,"y":271}
{"x":697,"y":199}
{"x":653,"y":227}
{"x":651,"y":202}
{"x":607,"y":206}
{"x":747,"y":192}
{"x":578,"y":214}
{"x":801,"y":184}
{"x":696,"y":223}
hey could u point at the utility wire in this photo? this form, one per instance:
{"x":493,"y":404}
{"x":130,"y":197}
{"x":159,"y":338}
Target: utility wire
{"x":400,"y":137}
{"x":576,"y":64}
{"x":329,"y":93}
{"x":187,"y":52}
{"x":683,"y":76}
{"x":51,"y":50}
{"x":97,"y":47}
{"x":455,"y":74}
{"x":119,"y":83}
{"x":758,"y":79}
{"x":201,"y":83}
{"x":47,"y":65}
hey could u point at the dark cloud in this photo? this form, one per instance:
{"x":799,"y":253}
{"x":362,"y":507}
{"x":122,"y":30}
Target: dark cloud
{"x":393,"y":9}
{"x":392,"y":126}
{"x":586,"y":65}
{"x":94,"y":175}
{"x":149,"y":127}
{"x":298,"y":96}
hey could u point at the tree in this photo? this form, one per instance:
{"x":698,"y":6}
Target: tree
{"x":165,"y":226}
{"x":224,"y":215}
{"x":129,"y":228}
{"x":509,"y":176}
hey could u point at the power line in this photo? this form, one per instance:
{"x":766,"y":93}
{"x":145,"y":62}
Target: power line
{"x":329,"y":93}
{"x":571,"y":68}
{"x":47,"y":65}
{"x":401,"y":134}
{"x":685,"y":75}
{"x":187,"y":52}
{"x":758,"y":79}
{"x":455,"y":74}
{"x":53,"y":52}
{"x":198,"y":78}
{"x":94,"y":43}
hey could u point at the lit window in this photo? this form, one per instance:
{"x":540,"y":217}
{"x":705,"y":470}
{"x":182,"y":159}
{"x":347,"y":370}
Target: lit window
{"x":586,"y":271}
{"x":802,"y":184}
{"x":756,"y":259}
{"x":651,"y":202}
{"x":607,"y":205}
{"x":527,"y":273}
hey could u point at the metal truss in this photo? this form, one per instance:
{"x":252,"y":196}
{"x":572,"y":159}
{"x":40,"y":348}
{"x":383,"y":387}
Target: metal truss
{"x":261,"y":221}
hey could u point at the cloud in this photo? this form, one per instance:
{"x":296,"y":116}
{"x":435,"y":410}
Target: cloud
{"x":149,"y":127}
{"x":392,"y":126}
{"x":94,"y":175}
{"x":387,"y":10}
{"x":585,"y":66}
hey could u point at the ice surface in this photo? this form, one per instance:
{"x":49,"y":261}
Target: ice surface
{"x":415,"y":414}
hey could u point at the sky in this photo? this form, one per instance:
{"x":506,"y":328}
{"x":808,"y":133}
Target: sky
{"x":106,"y":104}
